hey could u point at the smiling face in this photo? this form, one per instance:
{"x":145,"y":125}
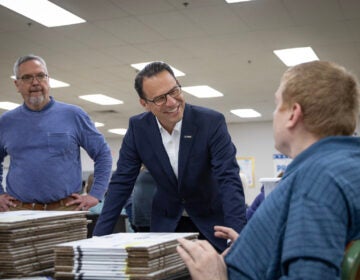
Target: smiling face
{"x":169,"y":113}
{"x":35,"y":93}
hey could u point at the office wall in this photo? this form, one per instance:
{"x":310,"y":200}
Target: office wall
{"x":255,"y":140}
{"x":251,"y":140}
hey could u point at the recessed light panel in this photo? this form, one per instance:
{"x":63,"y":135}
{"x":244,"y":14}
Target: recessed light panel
{"x":236,"y":1}
{"x":57,"y":84}
{"x":295,"y":56}
{"x":246,"y":113}
{"x":120,"y":131}
{"x":42,"y":11}
{"x":8,"y":105}
{"x":98,"y":124}
{"x":202,"y":91}
{"x":140,"y":66}
{"x":101,"y":99}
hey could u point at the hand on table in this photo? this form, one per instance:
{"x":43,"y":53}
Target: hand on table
{"x":202,"y":260}
{"x":226,"y":233}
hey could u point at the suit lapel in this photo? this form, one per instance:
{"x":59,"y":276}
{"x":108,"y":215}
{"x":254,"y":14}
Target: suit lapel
{"x":158,"y":148}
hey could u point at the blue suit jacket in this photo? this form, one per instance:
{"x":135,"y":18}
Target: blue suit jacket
{"x":208,"y":184}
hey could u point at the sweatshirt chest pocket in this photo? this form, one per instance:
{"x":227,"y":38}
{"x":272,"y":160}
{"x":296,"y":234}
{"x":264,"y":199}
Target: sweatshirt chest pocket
{"x":59,"y":143}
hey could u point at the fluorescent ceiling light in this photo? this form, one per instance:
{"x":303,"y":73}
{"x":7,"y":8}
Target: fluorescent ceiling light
{"x":57,"y":84}
{"x":294,"y":56}
{"x":202,"y":91}
{"x":236,"y":1}
{"x":43,"y":12}
{"x":53,"y":83}
{"x":140,"y":66}
{"x":120,"y":131}
{"x":246,"y":113}
{"x":101,"y":99}
{"x":8,"y":105}
{"x":98,"y":124}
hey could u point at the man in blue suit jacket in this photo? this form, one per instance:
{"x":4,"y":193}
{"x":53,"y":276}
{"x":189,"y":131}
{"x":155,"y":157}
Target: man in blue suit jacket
{"x":188,"y":151}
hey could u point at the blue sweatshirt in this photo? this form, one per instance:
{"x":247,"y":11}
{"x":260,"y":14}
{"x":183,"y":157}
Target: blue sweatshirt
{"x":44,"y":149}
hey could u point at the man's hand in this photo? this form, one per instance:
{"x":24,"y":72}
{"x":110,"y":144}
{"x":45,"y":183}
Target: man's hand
{"x":84,"y":201}
{"x":226,"y":233}
{"x":6,"y":201}
{"x":202,"y":260}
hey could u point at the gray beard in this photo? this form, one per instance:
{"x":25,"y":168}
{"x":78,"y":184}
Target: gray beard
{"x":36,"y":101}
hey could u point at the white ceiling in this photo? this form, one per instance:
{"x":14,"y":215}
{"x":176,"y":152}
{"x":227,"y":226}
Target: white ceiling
{"x":226,"y":46}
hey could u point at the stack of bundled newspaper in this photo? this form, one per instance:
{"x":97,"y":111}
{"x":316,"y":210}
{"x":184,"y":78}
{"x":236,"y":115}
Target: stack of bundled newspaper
{"x":122,"y":256}
{"x":27,"y":239}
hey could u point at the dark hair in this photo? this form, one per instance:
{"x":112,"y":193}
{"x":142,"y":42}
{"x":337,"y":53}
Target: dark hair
{"x":150,"y":70}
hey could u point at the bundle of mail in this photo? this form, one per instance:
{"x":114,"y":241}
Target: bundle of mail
{"x":27,"y":239}
{"x":122,"y":256}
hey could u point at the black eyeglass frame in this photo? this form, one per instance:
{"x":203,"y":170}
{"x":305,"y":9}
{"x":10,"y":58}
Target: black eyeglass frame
{"x":162,"y":99}
{"x":29,"y":79}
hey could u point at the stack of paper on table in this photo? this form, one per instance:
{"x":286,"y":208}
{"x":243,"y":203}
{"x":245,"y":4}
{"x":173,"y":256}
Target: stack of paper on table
{"x":27,"y":239}
{"x":122,"y":256}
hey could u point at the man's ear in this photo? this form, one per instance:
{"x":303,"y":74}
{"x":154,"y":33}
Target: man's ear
{"x":144,"y":104}
{"x":16,"y":85}
{"x":295,"y":115}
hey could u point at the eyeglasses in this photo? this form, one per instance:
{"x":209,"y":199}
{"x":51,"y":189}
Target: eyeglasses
{"x":29,"y":79}
{"x":161,"y":99}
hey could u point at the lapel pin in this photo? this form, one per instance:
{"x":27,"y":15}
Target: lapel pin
{"x":188,"y":136}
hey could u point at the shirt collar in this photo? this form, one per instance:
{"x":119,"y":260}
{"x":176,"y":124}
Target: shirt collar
{"x":177,"y":127}
{"x":46,"y":107}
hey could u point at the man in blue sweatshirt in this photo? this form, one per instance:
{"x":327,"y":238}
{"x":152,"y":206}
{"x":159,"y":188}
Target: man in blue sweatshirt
{"x":43,"y":139}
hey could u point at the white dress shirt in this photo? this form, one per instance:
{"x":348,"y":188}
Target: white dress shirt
{"x":171,"y":143}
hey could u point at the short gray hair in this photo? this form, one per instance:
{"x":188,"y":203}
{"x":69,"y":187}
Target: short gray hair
{"x":26,"y":58}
